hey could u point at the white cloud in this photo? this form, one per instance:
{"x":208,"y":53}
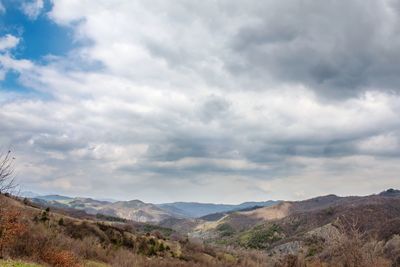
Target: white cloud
{"x":8,"y":41}
{"x":32,"y":8}
{"x":2,"y":8}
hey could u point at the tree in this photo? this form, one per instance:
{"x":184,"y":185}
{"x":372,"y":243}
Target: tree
{"x":7,"y":181}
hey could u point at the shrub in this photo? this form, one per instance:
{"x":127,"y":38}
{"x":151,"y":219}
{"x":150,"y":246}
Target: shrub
{"x":11,"y":228}
{"x":226,"y":230}
{"x":44,"y":217}
{"x":109,"y":218}
{"x":263,"y":238}
{"x":61,"y":258}
{"x":161,"y":247}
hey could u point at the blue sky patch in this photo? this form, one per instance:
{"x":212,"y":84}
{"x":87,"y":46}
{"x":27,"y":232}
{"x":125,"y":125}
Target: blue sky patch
{"x":39,"y":37}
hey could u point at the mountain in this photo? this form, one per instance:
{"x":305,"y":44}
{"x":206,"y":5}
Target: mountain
{"x":313,"y":224}
{"x":58,"y":198}
{"x":195,"y":210}
{"x":137,"y":210}
{"x":390,"y":193}
{"x":28,"y":194}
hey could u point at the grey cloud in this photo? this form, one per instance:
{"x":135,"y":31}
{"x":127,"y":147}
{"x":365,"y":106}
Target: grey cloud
{"x":337,"y":48}
{"x":215,"y":107}
{"x":57,"y":143}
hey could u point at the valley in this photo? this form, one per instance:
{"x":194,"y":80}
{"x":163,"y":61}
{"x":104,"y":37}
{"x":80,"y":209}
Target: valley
{"x":318,"y":230}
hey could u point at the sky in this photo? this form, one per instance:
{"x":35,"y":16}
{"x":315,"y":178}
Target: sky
{"x":213,"y":101}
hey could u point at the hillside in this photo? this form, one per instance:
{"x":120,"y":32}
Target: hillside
{"x":137,"y":210}
{"x":307,"y":227}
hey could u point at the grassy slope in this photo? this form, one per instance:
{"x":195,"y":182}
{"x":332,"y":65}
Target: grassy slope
{"x":12,"y":263}
{"x":16,"y":263}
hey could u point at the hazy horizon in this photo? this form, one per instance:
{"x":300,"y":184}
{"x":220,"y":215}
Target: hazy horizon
{"x":23,"y":194}
{"x":210,"y":101}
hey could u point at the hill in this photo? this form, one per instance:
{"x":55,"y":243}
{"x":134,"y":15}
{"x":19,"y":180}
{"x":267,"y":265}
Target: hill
{"x":310,"y":227}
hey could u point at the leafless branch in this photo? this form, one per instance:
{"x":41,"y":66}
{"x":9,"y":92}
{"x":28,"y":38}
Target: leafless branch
{"x":7,"y":178}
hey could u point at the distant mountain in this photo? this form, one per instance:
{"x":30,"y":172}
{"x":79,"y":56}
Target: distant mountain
{"x":390,"y":193}
{"x":108,"y":200}
{"x":195,"y":210}
{"x":137,"y":210}
{"x":28,"y":194}
{"x":54,"y":198}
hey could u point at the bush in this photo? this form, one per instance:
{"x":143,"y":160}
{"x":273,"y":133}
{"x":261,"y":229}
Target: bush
{"x":263,"y":238}
{"x":109,"y":218}
{"x":226,"y":230}
{"x":11,"y":228}
{"x":60,"y":258}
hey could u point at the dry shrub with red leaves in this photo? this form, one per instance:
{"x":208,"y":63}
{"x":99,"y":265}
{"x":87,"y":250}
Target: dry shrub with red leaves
{"x":11,"y":227}
{"x":60,"y":258}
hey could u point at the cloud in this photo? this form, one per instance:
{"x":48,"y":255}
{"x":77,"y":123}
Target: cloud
{"x":336,"y":48}
{"x":8,"y":41}
{"x":211,"y":101}
{"x":2,"y":8}
{"x":32,"y":8}
{"x":7,"y":62}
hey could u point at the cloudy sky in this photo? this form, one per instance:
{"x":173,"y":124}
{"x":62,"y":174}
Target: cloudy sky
{"x":212,"y":101}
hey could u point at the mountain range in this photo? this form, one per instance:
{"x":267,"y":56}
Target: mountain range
{"x":140,"y":211}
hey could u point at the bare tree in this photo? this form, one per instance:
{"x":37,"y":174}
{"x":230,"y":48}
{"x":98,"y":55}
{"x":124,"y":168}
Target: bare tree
{"x":7,"y":179}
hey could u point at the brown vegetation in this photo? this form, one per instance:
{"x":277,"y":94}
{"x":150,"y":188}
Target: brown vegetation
{"x":11,"y":228}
